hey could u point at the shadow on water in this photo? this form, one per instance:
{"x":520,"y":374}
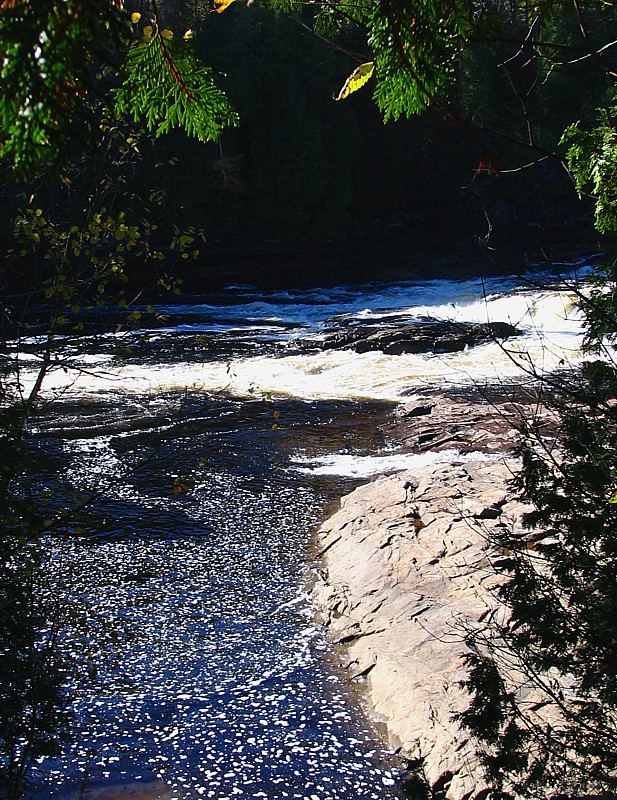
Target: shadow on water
{"x":197,"y":668}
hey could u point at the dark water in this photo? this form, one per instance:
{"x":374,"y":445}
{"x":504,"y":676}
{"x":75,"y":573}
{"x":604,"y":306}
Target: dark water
{"x":188,"y":618}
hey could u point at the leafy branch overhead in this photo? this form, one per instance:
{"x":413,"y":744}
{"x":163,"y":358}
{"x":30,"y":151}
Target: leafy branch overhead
{"x":171,"y":88}
{"x":420,"y":57}
{"x":65,"y":62}
{"x":49,"y":53}
{"x":592,"y":159}
{"x":59,"y":61}
{"x":413,"y":47}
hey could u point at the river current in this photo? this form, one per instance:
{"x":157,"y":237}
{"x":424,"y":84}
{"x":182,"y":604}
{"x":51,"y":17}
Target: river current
{"x":205,"y":448}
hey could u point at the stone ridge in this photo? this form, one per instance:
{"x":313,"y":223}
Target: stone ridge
{"x":405,"y":570}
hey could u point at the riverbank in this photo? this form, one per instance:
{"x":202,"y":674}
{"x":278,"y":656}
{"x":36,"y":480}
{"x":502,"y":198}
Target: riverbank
{"x":406,"y":569}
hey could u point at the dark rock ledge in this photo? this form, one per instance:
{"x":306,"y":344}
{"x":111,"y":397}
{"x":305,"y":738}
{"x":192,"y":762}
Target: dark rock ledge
{"x":425,"y":336}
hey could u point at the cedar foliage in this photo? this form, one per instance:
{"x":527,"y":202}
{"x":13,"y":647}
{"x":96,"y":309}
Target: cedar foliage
{"x":561,"y":635}
{"x":169,"y":87}
{"x":50,"y":53}
{"x":59,"y":65}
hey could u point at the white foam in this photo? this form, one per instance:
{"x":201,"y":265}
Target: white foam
{"x":551,"y":339}
{"x":366,"y":466}
{"x":333,"y":374}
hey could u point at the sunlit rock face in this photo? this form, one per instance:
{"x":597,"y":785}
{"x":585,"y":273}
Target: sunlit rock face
{"x":407,"y":569}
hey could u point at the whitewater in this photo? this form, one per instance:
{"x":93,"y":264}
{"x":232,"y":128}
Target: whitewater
{"x":245,"y":343}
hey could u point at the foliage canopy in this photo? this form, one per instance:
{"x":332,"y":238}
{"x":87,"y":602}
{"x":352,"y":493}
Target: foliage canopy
{"x":65,"y":60}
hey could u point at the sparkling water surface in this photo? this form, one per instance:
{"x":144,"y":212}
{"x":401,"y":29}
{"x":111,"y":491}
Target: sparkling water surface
{"x":201,"y":665}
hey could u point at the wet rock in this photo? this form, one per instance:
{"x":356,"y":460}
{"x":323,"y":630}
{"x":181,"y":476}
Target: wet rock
{"x":428,"y":336}
{"x":440,"y":422}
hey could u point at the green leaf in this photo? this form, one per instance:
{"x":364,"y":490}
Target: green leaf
{"x":592,"y":160}
{"x":414,"y":45}
{"x":167,"y":86}
{"x":46,"y":54}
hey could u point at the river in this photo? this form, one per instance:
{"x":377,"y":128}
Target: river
{"x":206,"y":446}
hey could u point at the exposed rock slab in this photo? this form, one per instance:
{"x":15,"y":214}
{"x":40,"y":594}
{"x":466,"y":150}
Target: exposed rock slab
{"x":439,"y":422}
{"x":405,"y":571}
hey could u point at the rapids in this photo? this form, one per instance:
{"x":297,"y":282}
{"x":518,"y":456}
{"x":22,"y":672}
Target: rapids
{"x":247,"y":343}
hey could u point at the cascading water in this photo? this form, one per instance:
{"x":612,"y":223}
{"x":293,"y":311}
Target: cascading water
{"x":248,"y":343}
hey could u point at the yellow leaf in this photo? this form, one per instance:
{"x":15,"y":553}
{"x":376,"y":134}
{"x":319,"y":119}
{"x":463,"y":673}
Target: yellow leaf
{"x":356,"y":80}
{"x":221,"y":5}
{"x":189,"y":34}
{"x":135,"y":17}
{"x":148,"y":31}
{"x":167,"y":34}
